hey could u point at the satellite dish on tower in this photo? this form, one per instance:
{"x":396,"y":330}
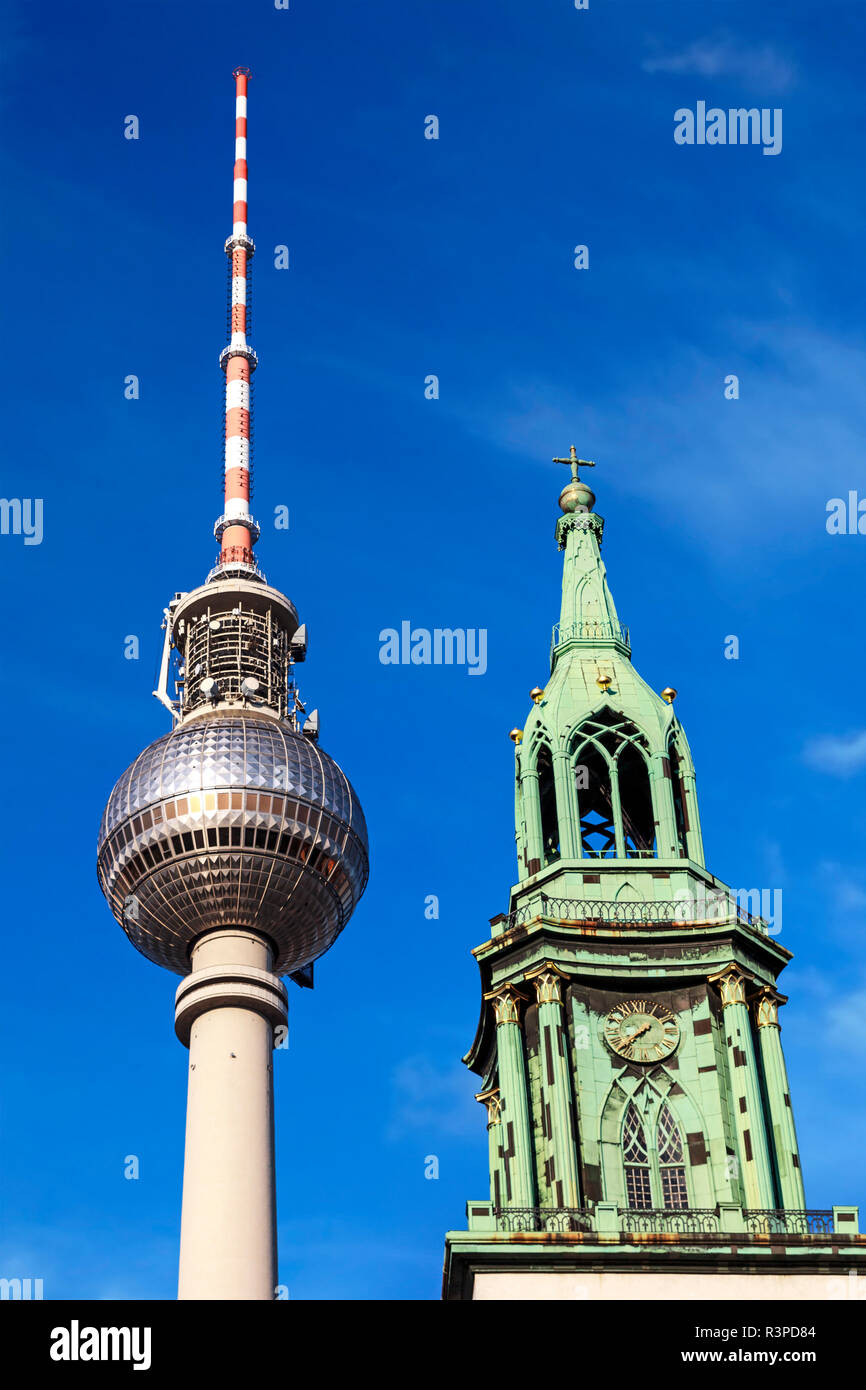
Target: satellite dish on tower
{"x":298,"y":644}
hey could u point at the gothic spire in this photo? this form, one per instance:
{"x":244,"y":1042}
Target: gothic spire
{"x":588,"y":617}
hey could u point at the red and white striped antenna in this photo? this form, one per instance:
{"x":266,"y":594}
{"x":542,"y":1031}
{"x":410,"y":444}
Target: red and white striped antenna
{"x":235,"y":529}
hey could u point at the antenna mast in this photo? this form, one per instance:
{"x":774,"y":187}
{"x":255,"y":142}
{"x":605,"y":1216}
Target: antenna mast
{"x":236,"y":530}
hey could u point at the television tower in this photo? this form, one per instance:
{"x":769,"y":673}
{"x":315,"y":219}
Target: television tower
{"x":233,"y":850}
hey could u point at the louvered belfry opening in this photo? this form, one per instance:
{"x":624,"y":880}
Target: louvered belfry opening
{"x":612,"y":785}
{"x":547,"y":799}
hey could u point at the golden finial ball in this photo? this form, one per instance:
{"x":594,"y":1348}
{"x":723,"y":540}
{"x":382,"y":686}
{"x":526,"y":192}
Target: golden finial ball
{"x":536,"y":694}
{"x":577,"y":496}
{"x":516,"y":736}
{"x":603,"y":682}
{"x":669,"y":694}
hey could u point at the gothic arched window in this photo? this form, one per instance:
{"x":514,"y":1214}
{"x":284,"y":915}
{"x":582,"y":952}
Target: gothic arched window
{"x":547,"y":800}
{"x":653,"y":1177}
{"x":614,"y":794}
{"x":597,"y":825}
{"x":671,"y":1165}
{"x":635,"y":796}
{"x":638,"y":1184}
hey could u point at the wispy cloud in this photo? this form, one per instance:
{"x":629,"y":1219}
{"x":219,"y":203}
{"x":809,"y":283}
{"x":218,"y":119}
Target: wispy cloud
{"x":721,"y":55}
{"x":774,"y":861}
{"x":78,"y":1259}
{"x":844,"y":1022}
{"x":433,"y":1100}
{"x":838,"y":756}
{"x":848,"y":893}
{"x":837,"y":1014}
{"x":672,"y":435}
{"x":327,"y":1256}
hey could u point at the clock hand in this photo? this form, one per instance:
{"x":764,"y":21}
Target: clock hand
{"x":637,"y":1032}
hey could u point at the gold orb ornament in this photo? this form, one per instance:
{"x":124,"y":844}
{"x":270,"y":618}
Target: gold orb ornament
{"x":516,"y":735}
{"x":603,"y":682}
{"x":536,"y":694}
{"x":669,"y":694}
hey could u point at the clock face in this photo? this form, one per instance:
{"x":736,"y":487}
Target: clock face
{"x":641,"y":1031}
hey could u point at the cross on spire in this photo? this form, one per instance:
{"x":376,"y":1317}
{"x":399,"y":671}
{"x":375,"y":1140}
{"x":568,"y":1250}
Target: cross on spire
{"x":575,"y":463}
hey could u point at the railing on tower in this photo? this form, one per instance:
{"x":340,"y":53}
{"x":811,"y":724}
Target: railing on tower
{"x":801,"y":1223}
{"x":669,"y":1221}
{"x":635,"y":914}
{"x":588,"y":632}
{"x":682,"y":1221}
{"x":552,"y":1219}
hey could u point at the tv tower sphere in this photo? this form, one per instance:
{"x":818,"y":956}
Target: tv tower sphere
{"x":233,"y":850}
{"x":236,"y":817}
{"x":233,"y":819}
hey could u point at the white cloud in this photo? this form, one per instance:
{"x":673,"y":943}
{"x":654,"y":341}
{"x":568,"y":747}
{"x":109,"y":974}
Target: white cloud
{"x":829,"y":1017}
{"x":807,"y":981}
{"x":774,"y":861}
{"x":841,"y":756}
{"x":845,"y":1022}
{"x":433,"y":1100}
{"x":848,"y":893}
{"x":732,"y":473}
{"x":851,"y":897}
{"x":721,"y":55}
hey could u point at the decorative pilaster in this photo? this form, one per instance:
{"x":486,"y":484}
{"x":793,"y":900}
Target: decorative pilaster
{"x":694,"y":837}
{"x":566,"y":809}
{"x":766,"y":1004}
{"x":616,"y":815}
{"x":492,"y":1102}
{"x":520,"y":828}
{"x":532,"y":819}
{"x":557,"y":1106}
{"x":745,"y":1088}
{"x":662,"y":788}
{"x":514,"y":1148}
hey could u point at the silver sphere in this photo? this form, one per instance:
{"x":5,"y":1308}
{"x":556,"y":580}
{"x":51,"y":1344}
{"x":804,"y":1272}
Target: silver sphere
{"x":233,"y":819}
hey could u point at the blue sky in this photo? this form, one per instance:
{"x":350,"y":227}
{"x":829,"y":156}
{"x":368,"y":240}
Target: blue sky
{"x":410,"y":257}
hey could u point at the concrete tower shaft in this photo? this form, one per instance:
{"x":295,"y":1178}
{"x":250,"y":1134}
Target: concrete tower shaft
{"x":226,"y":1012}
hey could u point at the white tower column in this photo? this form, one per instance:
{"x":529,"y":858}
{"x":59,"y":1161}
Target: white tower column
{"x":226,"y":1012}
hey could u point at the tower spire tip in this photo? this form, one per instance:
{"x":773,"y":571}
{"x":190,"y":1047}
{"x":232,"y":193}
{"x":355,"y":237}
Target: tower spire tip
{"x":576,"y":495}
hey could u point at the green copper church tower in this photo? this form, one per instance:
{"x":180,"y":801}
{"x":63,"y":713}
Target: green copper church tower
{"x":639,"y":1118}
